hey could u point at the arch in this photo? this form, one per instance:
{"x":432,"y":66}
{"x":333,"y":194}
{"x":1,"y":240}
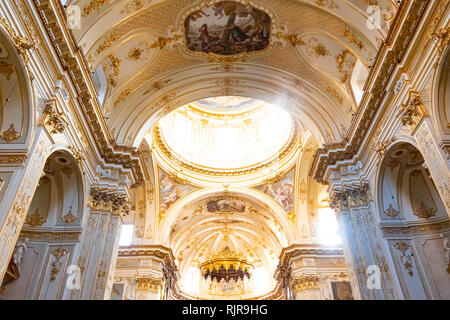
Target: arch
{"x":173,"y":212}
{"x":305,"y":102}
{"x":414,"y":223}
{"x":17,"y":125}
{"x":51,"y":231}
{"x":441,"y":95}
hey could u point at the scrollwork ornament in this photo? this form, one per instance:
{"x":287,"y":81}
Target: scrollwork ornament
{"x":405,"y":258}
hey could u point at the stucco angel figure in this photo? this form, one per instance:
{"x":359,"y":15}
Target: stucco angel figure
{"x":19,"y":252}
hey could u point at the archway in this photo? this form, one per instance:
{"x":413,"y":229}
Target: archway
{"x":414,"y":223}
{"x":49,"y":237}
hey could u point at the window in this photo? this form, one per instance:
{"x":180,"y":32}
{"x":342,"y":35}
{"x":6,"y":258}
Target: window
{"x":328,"y":227}
{"x":126,"y":235}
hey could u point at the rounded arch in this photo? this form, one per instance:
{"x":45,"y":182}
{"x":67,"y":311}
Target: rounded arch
{"x":405,"y":189}
{"x":315,"y":110}
{"x":441,"y":95}
{"x":17,"y":124}
{"x":58,"y":202}
{"x":175,"y":210}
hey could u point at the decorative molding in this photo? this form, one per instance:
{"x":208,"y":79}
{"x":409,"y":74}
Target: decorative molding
{"x":351,"y":197}
{"x":424,"y":212}
{"x":56,"y":265}
{"x":412,"y":112}
{"x":415,"y":229}
{"x":6,"y":69}
{"x":10,"y":135}
{"x":391,"y":212}
{"x":148,"y":284}
{"x":35,"y":219}
{"x":77,"y":69}
{"x":104,"y":201}
{"x":305,"y":282}
{"x":390,"y":53}
{"x":405,"y":258}
{"x":50,"y":236}
{"x":52,"y":120}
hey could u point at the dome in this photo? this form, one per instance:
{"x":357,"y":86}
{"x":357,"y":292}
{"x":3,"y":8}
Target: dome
{"x":226,"y":133}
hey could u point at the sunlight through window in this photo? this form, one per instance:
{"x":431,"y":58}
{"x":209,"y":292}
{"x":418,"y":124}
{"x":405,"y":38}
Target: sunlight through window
{"x":126,"y":235}
{"x":328,"y":227}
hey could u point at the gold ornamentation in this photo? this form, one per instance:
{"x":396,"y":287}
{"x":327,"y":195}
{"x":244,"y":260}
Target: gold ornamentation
{"x":77,"y":154}
{"x":107,"y":43}
{"x":274,"y":178}
{"x":163,"y":42}
{"x":134,"y":5}
{"x":178,"y":178}
{"x":335,"y":94}
{"x":397,"y":44}
{"x":413,"y":230}
{"x":423,"y":212}
{"x":157,"y":85}
{"x":382,"y":147}
{"x":122,"y":97}
{"x":406,"y":258}
{"x":345,"y":62}
{"x":353,"y":39}
{"x":443,"y":38}
{"x":148,"y":284}
{"x":6,"y":69}
{"x":391,"y":212}
{"x":94,"y":5}
{"x":56,"y":265}
{"x":115,"y":64}
{"x":35,"y":219}
{"x":116,"y":204}
{"x":305,"y":282}
{"x":412,"y":111}
{"x":53,"y":120}
{"x":69,"y":217}
{"x":13,"y":159}
{"x":135,"y":54}
{"x":331,"y":4}
{"x":10,"y":135}
{"x":21,"y":43}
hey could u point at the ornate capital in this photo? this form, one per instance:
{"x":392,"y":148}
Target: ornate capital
{"x":116,"y":204}
{"x":351,"y":197}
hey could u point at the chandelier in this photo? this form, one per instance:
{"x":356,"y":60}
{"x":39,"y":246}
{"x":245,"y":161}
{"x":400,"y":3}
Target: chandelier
{"x":226,"y":265}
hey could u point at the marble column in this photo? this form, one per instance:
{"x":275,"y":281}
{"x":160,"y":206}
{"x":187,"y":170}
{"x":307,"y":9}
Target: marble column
{"x":369,"y":273}
{"x":99,"y":246}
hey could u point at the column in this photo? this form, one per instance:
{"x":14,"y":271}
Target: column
{"x":365,"y":256}
{"x":99,"y":245}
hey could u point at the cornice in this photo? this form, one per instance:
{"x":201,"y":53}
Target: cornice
{"x":156,"y":250}
{"x":73,"y":61}
{"x":390,"y":54}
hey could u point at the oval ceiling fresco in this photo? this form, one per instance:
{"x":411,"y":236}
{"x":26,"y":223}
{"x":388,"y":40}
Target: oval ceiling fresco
{"x":227,"y":28}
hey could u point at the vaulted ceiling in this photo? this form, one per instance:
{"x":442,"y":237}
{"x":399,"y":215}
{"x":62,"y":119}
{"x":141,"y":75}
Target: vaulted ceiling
{"x":319,"y":52}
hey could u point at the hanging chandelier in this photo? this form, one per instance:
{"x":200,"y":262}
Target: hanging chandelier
{"x":226,"y":265}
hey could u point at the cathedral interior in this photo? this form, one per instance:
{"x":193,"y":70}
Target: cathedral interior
{"x":224,"y":150}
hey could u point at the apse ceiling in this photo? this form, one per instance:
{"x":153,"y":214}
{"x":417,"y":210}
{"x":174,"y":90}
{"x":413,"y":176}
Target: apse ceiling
{"x":310,"y":57}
